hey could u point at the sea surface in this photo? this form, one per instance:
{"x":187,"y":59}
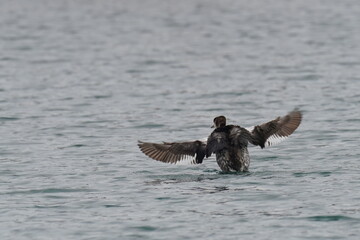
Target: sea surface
{"x":82,"y":81}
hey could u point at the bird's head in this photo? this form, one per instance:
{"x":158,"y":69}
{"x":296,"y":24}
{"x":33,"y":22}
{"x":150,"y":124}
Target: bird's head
{"x":219,"y":121}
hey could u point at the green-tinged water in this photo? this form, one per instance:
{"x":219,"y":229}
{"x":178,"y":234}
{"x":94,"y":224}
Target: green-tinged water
{"x":82,"y":81}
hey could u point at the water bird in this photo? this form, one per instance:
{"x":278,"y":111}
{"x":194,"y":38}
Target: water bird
{"x":229,"y":143}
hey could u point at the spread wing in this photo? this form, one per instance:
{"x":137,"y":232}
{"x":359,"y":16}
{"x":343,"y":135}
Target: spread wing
{"x":275,"y":131}
{"x":217,"y":141}
{"x":175,"y":152}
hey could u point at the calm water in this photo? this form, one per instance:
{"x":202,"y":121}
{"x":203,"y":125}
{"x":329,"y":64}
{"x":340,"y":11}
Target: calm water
{"x":82,"y":81}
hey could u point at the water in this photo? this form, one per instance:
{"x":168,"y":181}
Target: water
{"x":82,"y":81}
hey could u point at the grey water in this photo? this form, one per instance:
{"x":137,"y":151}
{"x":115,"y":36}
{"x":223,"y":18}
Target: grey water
{"x":82,"y":81}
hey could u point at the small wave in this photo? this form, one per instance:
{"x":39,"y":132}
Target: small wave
{"x":330,"y":218}
{"x":321,"y":173}
{"x":50,"y":190}
{"x":9,"y":118}
{"x":145,"y":228}
{"x":150,"y":125}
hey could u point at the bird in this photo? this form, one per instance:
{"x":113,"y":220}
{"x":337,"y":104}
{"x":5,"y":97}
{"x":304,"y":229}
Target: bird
{"x":229,"y":143}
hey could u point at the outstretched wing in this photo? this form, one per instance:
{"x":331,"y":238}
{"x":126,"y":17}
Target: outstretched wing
{"x":175,"y":152}
{"x":275,"y":131}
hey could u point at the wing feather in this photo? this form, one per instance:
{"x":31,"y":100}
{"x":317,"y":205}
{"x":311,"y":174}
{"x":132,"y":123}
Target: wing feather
{"x":174,"y":152}
{"x":275,"y":131}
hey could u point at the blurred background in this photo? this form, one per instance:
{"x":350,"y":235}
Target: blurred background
{"x":81,"y":81}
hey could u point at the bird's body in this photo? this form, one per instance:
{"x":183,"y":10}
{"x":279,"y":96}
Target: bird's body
{"x":228,"y":142}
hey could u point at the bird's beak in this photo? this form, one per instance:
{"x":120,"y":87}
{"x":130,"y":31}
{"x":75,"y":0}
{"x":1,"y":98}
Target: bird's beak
{"x":212,"y":126}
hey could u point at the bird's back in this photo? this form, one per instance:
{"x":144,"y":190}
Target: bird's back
{"x":230,"y":146}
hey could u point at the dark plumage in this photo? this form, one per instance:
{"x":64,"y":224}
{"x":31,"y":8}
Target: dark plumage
{"x":174,"y":152}
{"x":228,"y":142}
